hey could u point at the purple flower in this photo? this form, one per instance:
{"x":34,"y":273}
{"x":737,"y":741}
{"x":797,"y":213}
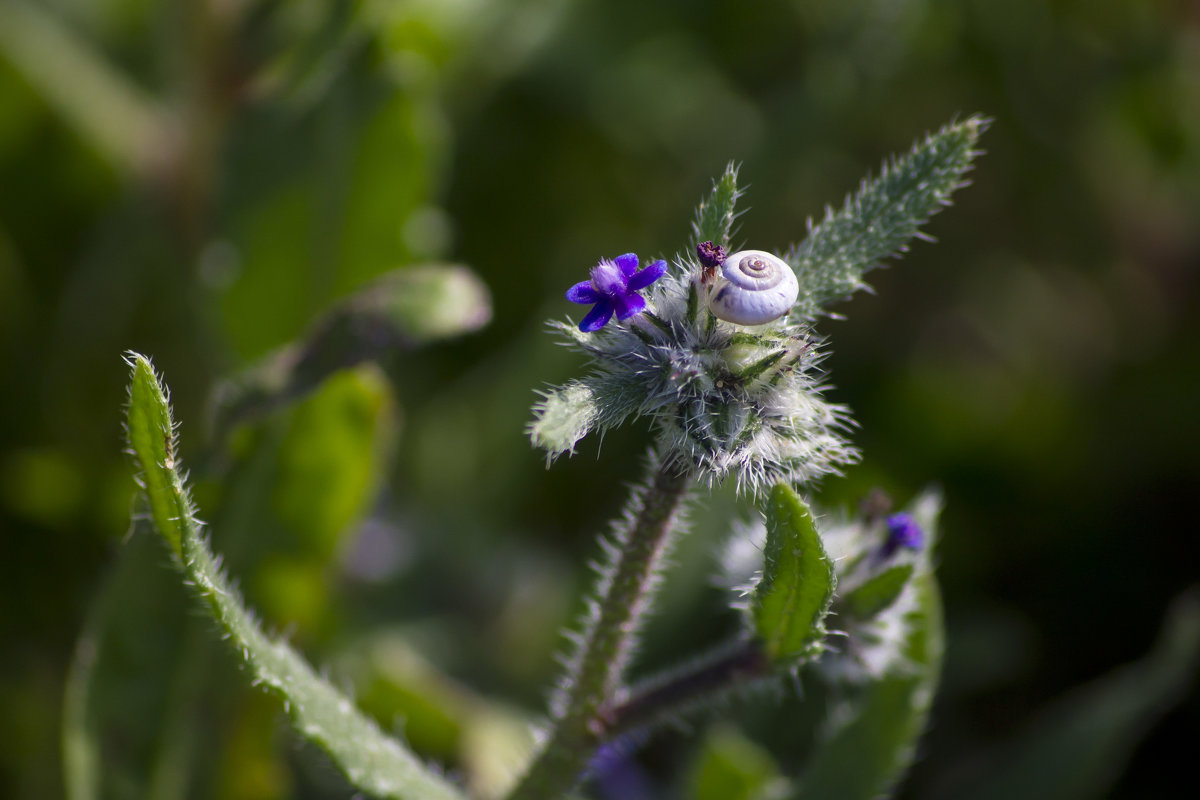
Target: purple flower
{"x":614,"y":289}
{"x":903,"y":531}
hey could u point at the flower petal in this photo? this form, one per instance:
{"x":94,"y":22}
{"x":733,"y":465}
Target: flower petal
{"x":649,"y":275}
{"x":597,"y":318}
{"x":628,"y":263}
{"x":583,"y":293}
{"x":628,"y":305}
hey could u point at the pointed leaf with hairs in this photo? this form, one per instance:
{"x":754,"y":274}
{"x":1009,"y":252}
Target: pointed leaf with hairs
{"x":885,"y":214}
{"x":372,"y":761}
{"x":790,"y":602}
{"x":716,"y":214}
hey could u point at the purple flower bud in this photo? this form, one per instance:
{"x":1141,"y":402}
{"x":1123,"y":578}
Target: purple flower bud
{"x":902,"y":531}
{"x":617,"y":775}
{"x":614,"y":289}
{"x":711,"y":255}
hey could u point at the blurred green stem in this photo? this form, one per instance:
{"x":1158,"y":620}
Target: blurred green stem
{"x":208,"y":89}
{"x":110,"y":111}
{"x":594,"y":676}
{"x":658,"y":699}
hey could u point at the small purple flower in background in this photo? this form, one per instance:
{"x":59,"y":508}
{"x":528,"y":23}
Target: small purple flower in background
{"x":614,"y":289}
{"x":617,"y":775}
{"x":903,"y":531}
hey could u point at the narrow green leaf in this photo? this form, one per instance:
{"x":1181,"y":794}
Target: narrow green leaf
{"x":877,"y":593}
{"x":868,"y":752}
{"x":371,"y":760}
{"x":152,"y":441}
{"x":1081,"y":743}
{"x":878,"y":221}
{"x":715,"y":214}
{"x":792,"y":598}
{"x":402,"y":310}
{"x":762,"y":365}
{"x":862,"y":760}
{"x":114,"y":728}
{"x":730,"y":766}
{"x":873,"y":739}
{"x":113,"y":114}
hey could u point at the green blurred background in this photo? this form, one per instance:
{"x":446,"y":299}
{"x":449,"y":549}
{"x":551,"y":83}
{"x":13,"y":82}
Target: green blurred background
{"x":197,"y":180}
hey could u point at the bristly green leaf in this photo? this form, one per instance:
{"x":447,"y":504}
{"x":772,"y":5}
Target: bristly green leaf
{"x":152,"y":441}
{"x":715,"y":215}
{"x":565,"y":415}
{"x":868,"y":599}
{"x":372,"y":761}
{"x":562,"y":418}
{"x":402,"y":310}
{"x":878,"y":221}
{"x":791,"y":600}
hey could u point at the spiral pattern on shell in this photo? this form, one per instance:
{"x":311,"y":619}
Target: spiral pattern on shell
{"x":755,"y":288}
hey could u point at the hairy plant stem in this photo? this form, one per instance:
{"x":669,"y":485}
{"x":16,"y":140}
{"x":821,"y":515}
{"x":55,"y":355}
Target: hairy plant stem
{"x":594,"y":675}
{"x":664,"y":698}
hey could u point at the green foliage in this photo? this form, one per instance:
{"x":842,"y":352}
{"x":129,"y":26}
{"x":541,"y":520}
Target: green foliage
{"x":791,"y":600}
{"x":112,"y":112}
{"x":403,"y":310}
{"x":731,"y":767}
{"x":302,"y":484}
{"x":442,"y":717}
{"x":867,"y":755}
{"x":715,"y":215}
{"x":117,"y":733}
{"x":877,"y":593}
{"x":347,"y":136}
{"x":882,"y":217}
{"x":871,"y":739}
{"x":152,"y":441}
{"x":1078,"y":745}
{"x":371,"y":760}
{"x":333,"y":456}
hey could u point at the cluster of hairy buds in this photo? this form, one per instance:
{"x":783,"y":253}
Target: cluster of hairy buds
{"x":713,"y":356}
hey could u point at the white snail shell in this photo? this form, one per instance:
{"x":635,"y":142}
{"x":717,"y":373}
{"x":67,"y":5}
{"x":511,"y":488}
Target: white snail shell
{"x":754,"y":288}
